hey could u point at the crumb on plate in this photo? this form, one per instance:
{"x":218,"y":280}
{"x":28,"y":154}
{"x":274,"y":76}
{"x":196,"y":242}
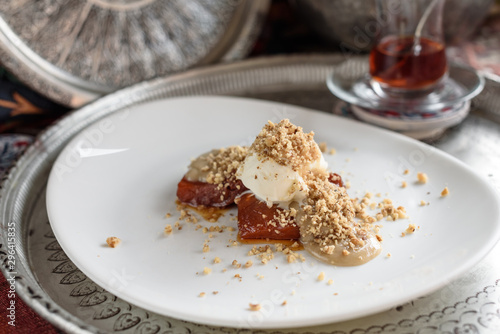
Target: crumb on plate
{"x":254,"y":307}
{"x":113,"y":241}
{"x":422,"y":177}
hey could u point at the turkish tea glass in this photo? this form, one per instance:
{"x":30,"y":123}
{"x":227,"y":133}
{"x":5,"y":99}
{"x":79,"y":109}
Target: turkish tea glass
{"x":409,"y":54}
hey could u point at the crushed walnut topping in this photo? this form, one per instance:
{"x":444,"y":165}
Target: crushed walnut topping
{"x":445,"y":192}
{"x":328,"y":214}
{"x":218,"y":167}
{"x":287,"y":145}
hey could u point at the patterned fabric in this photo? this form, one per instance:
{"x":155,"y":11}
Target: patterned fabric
{"x":23,"y":110}
{"x":11,"y":147}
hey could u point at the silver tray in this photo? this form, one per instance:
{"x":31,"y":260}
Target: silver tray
{"x":56,"y":289}
{"x":74,"y":51}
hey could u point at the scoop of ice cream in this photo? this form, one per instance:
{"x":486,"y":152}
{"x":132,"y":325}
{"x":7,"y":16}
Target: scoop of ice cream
{"x":270,"y":181}
{"x":278,"y":160}
{"x":274,"y":183}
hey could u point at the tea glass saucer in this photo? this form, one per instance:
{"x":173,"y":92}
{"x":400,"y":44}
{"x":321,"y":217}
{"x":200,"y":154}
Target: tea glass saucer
{"x":352,"y":83}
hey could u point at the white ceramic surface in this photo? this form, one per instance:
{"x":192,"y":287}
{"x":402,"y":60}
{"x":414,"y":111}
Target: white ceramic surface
{"x":119,"y":177}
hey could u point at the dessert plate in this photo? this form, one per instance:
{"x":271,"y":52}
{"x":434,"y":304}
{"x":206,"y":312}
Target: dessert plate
{"x":118,"y":178}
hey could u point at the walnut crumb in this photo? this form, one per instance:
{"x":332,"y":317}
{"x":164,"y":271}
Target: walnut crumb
{"x":445,"y":192}
{"x":206,"y":248}
{"x":215,"y":292}
{"x":202,"y":294}
{"x":404,"y":184}
{"x":411,"y":228}
{"x":406,"y":172}
{"x":284,"y":303}
{"x":113,"y":241}
{"x":423,"y":203}
{"x":422,"y":178}
{"x":330,"y":282}
{"x":255,"y":307}
{"x":388,"y":255}
{"x":323,"y":147}
{"x":168,"y":229}
{"x":207,"y":271}
{"x":321,"y":276}
{"x":168,"y":215}
{"x":248,"y":264}
{"x":217,"y":259}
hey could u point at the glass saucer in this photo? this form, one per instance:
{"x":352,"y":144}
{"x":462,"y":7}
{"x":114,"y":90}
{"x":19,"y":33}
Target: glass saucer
{"x":351,"y":82}
{"x":425,"y":127}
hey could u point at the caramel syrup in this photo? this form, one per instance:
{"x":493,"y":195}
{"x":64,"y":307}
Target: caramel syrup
{"x":287,"y":243}
{"x":210,"y":214}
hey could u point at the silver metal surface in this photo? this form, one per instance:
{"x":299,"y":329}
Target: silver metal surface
{"x":75,"y":51}
{"x":56,"y":289}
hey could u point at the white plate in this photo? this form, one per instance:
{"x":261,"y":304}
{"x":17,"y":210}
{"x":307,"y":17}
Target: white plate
{"x":119,"y":177}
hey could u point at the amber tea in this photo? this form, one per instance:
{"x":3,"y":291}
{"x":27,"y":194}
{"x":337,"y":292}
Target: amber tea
{"x":401,"y":63}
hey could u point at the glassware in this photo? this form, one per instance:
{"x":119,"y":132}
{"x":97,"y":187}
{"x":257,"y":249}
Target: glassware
{"x":409,"y":55}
